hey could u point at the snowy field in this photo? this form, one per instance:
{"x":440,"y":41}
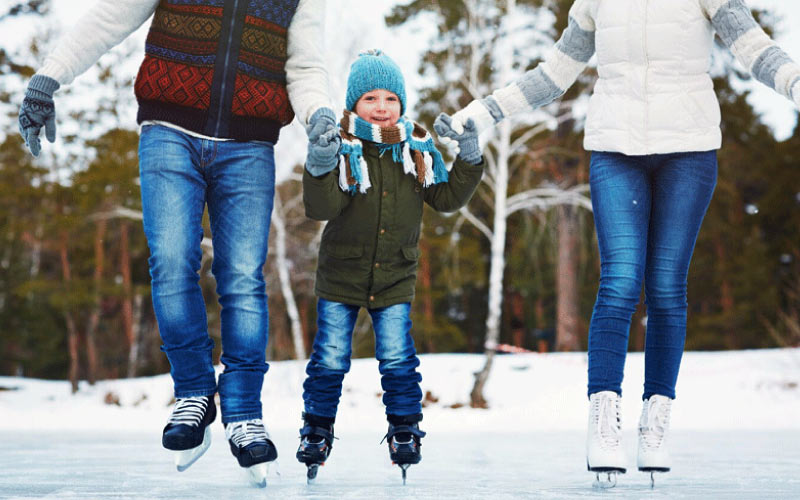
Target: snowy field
{"x":736,"y":435}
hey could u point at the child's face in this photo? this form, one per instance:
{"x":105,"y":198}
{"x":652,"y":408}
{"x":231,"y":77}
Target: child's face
{"x":379,"y":107}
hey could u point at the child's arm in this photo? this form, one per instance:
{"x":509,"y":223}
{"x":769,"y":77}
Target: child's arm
{"x":322,"y":196}
{"x":757,"y":52}
{"x":543,"y":84}
{"x":461,"y":184}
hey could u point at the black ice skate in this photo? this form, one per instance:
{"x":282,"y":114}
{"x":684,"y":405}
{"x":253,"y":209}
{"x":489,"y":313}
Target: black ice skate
{"x":252,"y":447}
{"x":404,"y":438}
{"x":187,"y":432}
{"x":316,"y":443}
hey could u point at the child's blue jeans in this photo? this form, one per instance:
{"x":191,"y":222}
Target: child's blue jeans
{"x":647,"y":212}
{"x":330,"y":361}
{"x":180,"y":175}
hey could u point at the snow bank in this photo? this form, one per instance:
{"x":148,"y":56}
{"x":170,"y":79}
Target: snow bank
{"x":526,"y":392}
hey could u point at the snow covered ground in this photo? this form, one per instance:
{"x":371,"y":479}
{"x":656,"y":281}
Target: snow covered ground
{"x":736,"y":434}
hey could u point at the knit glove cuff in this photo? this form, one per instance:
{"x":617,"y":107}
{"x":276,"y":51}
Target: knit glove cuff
{"x":42,"y":87}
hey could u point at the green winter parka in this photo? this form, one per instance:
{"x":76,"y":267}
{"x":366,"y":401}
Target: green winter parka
{"x":369,"y":250}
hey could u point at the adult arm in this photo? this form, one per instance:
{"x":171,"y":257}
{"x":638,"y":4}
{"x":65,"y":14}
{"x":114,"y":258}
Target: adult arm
{"x":306,"y":76}
{"x":546,"y":82}
{"x":106,"y":24}
{"x":758,"y":53}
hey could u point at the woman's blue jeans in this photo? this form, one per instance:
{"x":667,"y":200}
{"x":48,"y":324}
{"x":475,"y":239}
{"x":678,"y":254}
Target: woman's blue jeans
{"x":180,"y":175}
{"x":330,"y":361}
{"x":647,"y":212}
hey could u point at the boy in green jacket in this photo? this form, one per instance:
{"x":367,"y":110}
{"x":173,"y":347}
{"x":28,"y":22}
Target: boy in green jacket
{"x":388,"y":166}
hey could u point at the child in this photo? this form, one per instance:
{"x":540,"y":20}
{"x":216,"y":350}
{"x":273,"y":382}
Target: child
{"x":388,"y":165}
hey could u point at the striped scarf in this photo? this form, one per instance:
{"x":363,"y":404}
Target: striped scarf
{"x":410,"y":144}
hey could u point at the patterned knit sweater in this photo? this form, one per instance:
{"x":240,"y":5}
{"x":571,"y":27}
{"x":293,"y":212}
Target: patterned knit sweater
{"x":654,"y":94}
{"x":219,"y":68}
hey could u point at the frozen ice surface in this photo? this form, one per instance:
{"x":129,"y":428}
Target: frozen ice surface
{"x":719,"y":465}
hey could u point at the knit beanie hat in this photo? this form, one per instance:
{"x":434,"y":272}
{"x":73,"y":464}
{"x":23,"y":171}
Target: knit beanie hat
{"x":374,"y":70}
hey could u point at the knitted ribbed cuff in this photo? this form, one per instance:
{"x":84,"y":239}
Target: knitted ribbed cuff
{"x":323,"y":112}
{"x":42,"y":87}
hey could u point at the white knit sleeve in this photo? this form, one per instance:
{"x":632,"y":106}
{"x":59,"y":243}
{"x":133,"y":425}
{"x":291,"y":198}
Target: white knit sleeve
{"x":306,"y":76}
{"x":753,"y":48}
{"x":105,"y":24}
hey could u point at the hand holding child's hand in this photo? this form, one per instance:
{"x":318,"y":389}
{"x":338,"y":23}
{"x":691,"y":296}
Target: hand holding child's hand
{"x":465,"y":135}
{"x":323,"y":143}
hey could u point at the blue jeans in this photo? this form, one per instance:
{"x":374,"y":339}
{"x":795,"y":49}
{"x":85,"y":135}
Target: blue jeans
{"x":647,"y":212}
{"x":330,"y":361}
{"x":180,"y":175}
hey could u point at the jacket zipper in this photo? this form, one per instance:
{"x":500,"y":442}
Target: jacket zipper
{"x":646,"y":73}
{"x":225,"y":65}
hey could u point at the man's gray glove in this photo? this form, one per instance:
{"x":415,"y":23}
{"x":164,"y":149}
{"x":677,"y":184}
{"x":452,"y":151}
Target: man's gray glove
{"x":38,"y":110}
{"x":469,"y":149}
{"x":324,"y":142}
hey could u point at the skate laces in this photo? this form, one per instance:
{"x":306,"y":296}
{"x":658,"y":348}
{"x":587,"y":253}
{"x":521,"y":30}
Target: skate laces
{"x":606,"y":413}
{"x":189,"y":411}
{"x":654,"y":427}
{"x":247,"y":432}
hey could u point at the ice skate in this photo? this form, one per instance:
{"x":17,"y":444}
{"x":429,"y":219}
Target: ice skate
{"x":188,"y":431}
{"x":252,"y":447}
{"x":653,"y":454}
{"x":316,"y":443}
{"x":604,"y":453}
{"x":404,"y":444}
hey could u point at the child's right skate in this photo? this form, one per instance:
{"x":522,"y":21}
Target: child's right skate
{"x":404,"y":438}
{"x":316,"y":443}
{"x":188,"y":431}
{"x":604,"y":452}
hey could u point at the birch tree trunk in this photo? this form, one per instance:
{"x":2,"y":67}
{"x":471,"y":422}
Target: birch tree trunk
{"x":282,"y":263}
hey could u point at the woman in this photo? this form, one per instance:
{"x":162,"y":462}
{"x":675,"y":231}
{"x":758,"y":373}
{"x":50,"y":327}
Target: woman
{"x":653,"y":130}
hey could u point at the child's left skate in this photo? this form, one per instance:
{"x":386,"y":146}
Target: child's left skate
{"x":404,"y":444}
{"x":252,"y":447}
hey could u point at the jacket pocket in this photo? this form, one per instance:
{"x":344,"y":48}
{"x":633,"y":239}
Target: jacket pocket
{"x":345,"y":251}
{"x":411,"y":253}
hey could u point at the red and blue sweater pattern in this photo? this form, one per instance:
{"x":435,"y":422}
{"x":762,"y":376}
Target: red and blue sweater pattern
{"x":217,"y":67}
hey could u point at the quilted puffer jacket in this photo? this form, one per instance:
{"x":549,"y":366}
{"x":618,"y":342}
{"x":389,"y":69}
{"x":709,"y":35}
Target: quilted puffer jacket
{"x":654,"y":94}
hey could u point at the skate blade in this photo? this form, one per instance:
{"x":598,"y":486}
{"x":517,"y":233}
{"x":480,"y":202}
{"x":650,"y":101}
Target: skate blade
{"x":311,"y":474}
{"x":653,"y":471}
{"x":404,"y":470}
{"x":258,"y":475}
{"x":185,"y":458}
{"x":606,"y":479}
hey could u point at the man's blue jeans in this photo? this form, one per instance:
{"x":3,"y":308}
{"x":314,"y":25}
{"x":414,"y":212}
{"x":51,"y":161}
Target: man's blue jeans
{"x":647,"y":212}
{"x":330,"y":361}
{"x":180,"y":175}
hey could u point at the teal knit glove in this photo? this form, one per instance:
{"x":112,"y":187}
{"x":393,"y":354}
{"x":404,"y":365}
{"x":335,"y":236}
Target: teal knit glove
{"x":469,"y":149}
{"x":38,"y":110}
{"x":323,"y":143}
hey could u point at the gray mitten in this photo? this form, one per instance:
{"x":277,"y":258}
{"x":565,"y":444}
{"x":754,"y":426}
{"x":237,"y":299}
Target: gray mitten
{"x":323,"y":143}
{"x":468,"y":145}
{"x":38,"y":110}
